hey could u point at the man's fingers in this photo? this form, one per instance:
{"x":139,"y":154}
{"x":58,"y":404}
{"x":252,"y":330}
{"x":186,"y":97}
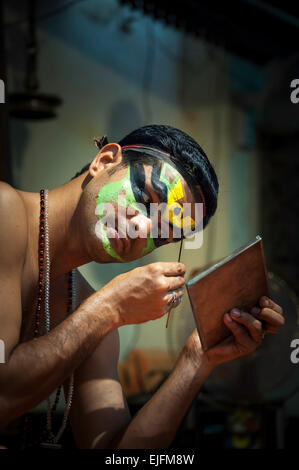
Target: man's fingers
{"x":272,"y":319}
{"x":239,"y":331}
{"x":173,"y":269}
{"x":173,"y":283}
{"x":266,"y":302}
{"x":176,"y":298}
{"x":253,"y":325}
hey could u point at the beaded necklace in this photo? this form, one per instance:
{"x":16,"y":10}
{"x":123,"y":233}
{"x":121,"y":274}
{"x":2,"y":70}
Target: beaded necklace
{"x":48,"y":439}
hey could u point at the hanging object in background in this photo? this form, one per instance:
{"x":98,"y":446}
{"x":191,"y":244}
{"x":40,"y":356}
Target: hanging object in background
{"x":31,"y":104}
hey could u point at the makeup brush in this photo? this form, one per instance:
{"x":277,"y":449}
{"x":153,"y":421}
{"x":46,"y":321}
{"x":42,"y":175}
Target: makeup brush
{"x":180,"y":252}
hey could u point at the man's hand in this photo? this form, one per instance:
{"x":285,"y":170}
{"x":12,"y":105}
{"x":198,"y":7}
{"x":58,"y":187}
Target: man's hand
{"x":248,"y":330}
{"x":144,"y":293}
{"x":270,"y":314}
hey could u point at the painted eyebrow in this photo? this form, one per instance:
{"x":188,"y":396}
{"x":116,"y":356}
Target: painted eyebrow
{"x":153,"y":190}
{"x":150,"y":193}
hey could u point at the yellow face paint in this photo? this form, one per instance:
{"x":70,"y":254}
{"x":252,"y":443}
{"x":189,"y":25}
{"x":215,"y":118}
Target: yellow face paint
{"x":174,"y":213}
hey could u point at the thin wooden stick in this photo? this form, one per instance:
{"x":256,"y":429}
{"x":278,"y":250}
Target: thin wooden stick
{"x":180,"y":252}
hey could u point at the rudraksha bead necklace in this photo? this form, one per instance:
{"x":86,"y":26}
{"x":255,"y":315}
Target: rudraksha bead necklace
{"x":44,"y":281}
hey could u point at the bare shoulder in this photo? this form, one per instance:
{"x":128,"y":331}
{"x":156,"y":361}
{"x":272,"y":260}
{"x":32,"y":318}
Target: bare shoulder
{"x":8,"y":195}
{"x":13,"y":244}
{"x":13,"y":232}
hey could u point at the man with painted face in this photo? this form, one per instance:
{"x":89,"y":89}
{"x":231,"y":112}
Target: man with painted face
{"x":154,"y":164}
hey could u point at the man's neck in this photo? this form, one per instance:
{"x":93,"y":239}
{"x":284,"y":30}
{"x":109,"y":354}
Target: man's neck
{"x":66,"y":251}
{"x":66,"y":248}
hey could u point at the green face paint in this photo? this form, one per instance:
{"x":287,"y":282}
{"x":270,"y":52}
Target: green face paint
{"x":121,"y":193}
{"x":129,"y":192}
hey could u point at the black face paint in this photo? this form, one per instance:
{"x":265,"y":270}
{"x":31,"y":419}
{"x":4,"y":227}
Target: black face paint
{"x":137,"y":179}
{"x":162,"y":192}
{"x":157,"y":184}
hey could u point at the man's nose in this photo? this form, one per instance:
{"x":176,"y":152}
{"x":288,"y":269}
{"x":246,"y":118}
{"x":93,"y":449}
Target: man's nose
{"x":139,"y":226}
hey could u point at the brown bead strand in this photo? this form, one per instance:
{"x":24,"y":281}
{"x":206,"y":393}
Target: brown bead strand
{"x":69,"y":310}
{"x":41,"y":252}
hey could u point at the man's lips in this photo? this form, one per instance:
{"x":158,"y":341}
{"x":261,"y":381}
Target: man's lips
{"x":119,"y":240}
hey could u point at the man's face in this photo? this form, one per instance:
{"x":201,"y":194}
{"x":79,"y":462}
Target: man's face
{"x":130,"y":221}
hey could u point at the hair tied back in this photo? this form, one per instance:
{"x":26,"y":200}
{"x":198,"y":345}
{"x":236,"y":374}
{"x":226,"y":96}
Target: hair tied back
{"x":100,"y":142}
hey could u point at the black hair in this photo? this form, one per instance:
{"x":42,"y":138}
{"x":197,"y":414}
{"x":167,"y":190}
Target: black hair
{"x":185,"y":153}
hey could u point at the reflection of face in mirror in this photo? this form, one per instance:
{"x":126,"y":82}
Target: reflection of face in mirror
{"x":129,"y":226}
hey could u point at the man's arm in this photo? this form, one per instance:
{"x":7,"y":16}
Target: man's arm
{"x":100,"y":417}
{"x":35,"y":368}
{"x":99,"y":414}
{"x":156,"y":423}
{"x":99,"y":409}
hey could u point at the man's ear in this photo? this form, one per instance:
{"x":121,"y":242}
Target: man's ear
{"x":109,"y":154}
